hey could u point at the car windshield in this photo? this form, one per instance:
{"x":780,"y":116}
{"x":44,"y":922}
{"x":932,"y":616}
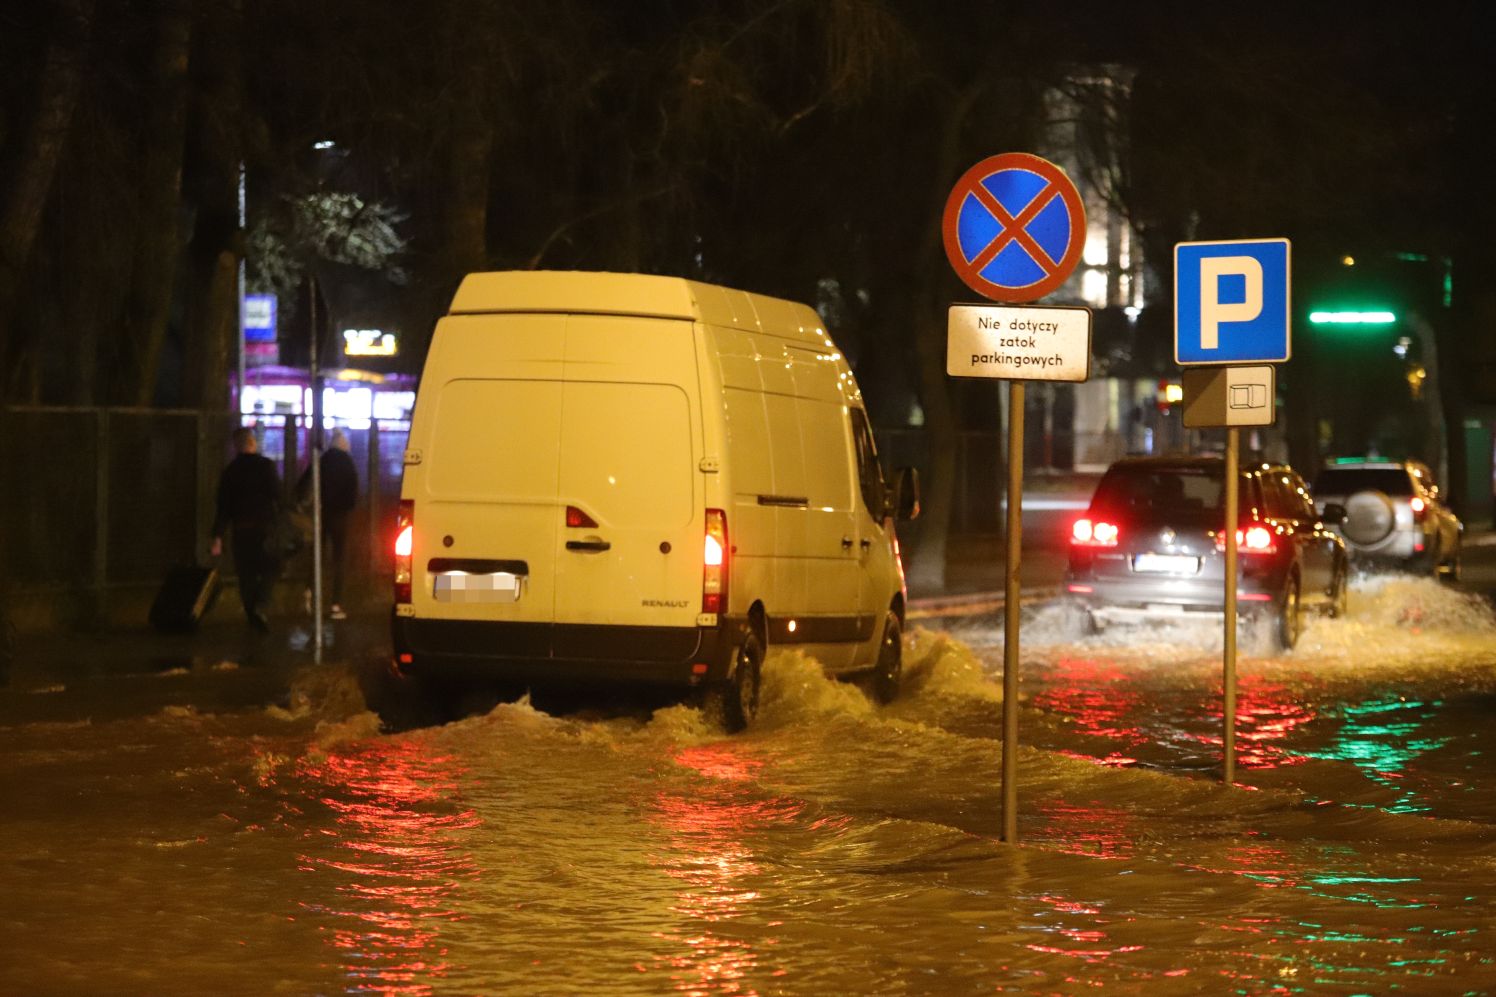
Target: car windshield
{"x":1159,"y":490}
{"x":1349,"y":480}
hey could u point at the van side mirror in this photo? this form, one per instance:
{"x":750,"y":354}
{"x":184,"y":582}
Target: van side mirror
{"x":903,"y":494}
{"x":1334,"y":513}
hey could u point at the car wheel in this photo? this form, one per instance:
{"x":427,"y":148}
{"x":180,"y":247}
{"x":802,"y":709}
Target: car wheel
{"x":889,"y":670}
{"x":739,"y":697}
{"x":1290,"y":620}
{"x":1450,"y":570}
{"x":1340,"y":594}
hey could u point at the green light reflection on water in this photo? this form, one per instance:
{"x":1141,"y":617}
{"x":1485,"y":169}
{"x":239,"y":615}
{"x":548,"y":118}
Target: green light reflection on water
{"x":1381,"y":748}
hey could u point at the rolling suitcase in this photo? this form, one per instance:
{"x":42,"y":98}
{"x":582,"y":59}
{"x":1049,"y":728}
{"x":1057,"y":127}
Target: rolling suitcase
{"x":187,"y":593}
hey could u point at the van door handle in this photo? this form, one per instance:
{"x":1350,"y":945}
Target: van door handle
{"x":867,"y":544}
{"x":846,"y":543}
{"x":592,"y":545}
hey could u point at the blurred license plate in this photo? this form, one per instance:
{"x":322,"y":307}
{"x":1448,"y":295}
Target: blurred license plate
{"x":1166,"y":564}
{"x":459,"y":586}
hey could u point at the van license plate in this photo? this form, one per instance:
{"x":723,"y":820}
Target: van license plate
{"x":1167,"y":564}
{"x":459,"y":586}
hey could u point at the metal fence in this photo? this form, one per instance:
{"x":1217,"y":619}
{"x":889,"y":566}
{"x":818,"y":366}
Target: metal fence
{"x":98,"y":501}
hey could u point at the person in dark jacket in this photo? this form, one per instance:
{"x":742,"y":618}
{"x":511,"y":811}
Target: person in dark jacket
{"x":248,"y":500}
{"x":339,"y":494}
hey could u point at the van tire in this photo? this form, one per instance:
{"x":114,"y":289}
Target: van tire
{"x":889,"y":670}
{"x":740,"y":695}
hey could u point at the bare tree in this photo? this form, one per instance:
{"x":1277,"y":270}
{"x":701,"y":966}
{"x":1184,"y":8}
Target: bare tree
{"x":41,"y":147}
{"x":159,"y":248}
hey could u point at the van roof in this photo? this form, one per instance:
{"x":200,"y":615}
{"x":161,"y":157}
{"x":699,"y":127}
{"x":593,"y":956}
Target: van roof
{"x":635,"y":294}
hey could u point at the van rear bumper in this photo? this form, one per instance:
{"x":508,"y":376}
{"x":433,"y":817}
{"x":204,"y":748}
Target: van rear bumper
{"x":561,"y":653}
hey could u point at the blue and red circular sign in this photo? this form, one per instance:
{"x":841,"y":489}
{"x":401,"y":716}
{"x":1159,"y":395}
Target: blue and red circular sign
{"x":1014,"y":227}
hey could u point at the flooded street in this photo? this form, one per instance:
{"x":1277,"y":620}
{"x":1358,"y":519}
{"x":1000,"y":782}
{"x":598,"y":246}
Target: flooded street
{"x":837,"y":847}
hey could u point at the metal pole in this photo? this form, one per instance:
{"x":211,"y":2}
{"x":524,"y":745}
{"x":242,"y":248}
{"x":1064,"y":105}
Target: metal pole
{"x":239,"y":281}
{"x":1010,"y":612}
{"x":101,"y":521}
{"x":316,"y":458}
{"x":1229,"y":678}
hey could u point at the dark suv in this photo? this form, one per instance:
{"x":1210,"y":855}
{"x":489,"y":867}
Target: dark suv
{"x":1393,"y":513}
{"x":1151,"y":545}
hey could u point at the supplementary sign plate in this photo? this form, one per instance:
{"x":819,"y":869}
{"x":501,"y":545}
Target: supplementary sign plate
{"x":1229,"y":396}
{"x":1033,"y":343}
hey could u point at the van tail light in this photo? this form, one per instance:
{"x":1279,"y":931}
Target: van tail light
{"x":405,"y":541}
{"x":576,"y":519}
{"x":1420,"y":509}
{"x":1094,"y":533}
{"x":714,"y":563}
{"x":1255,"y":539}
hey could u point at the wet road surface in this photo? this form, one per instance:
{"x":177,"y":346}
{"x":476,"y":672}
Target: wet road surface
{"x":837,"y":847}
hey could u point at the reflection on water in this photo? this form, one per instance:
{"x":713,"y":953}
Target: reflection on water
{"x":1096,"y":695}
{"x":397,"y":859}
{"x":1093,"y":830}
{"x":1268,"y":714}
{"x":706,"y":852}
{"x":1379,"y":736}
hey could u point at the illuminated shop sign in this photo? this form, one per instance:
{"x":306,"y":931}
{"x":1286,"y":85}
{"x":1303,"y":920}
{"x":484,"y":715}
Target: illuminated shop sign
{"x":369,"y":343}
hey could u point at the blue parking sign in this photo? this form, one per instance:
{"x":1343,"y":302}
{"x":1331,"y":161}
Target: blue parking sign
{"x":1231,"y":302}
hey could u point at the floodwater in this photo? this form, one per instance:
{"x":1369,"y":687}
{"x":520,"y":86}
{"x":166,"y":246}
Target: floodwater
{"x":837,"y":847}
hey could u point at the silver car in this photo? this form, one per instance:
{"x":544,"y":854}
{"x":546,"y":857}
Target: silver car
{"x":1393,"y":514}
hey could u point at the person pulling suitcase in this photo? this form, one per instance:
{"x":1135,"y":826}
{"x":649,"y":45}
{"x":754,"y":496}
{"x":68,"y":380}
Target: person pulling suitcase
{"x":248,"y":503}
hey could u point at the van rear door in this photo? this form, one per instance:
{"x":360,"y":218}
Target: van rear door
{"x":629,"y":446}
{"x":485,"y":489}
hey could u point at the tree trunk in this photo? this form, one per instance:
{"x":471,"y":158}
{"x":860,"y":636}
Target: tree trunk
{"x":927,"y":567}
{"x":212,"y":296}
{"x":27,"y":192}
{"x":149,"y":308}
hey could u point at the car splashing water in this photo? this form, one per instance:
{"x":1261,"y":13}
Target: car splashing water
{"x":835,"y":847}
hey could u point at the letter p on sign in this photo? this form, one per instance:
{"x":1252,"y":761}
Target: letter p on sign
{"x":1213,"y":311}
{"x":1231,"y":302}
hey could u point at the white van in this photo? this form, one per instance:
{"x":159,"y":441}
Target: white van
{"x":623,"y":477}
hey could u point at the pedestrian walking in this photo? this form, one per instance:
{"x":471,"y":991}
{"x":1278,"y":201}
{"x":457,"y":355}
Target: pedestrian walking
{"x":248,"y":501}
{"x":339,"y":495}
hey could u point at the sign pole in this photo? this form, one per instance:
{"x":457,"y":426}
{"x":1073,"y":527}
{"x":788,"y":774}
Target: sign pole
{"x":1011,"y":608}
{"x":986,"y":231}
{"x":1228,"y":767}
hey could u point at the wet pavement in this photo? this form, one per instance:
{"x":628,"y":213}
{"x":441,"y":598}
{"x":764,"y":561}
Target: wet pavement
{"x":221,"y":815}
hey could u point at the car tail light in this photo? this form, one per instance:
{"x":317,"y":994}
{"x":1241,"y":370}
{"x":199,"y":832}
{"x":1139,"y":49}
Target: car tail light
{"x":1420,"y":509}
{"x":1255,"y":539}
{"x":405,"y":540}
{"x":576,"y":519}
{"x":1094,"y":533}
{"x":714,"y":563}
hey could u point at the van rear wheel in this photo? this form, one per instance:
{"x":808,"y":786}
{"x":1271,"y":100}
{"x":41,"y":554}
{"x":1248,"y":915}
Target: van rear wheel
{"x":889,"y":670}
{"x":739,"y":696}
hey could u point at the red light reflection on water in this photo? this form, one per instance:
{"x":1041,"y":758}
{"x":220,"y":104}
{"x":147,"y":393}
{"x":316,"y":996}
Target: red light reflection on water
{"x":399,"y":858}
{"x":706,"y":850}
{"x":1268,"y":713}
{"x":1089,"y":942}
{"x":1096,"y":696}
{"x":1095,"y":831}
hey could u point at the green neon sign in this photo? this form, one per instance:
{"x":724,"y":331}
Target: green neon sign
{"x":1352,"y":318}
